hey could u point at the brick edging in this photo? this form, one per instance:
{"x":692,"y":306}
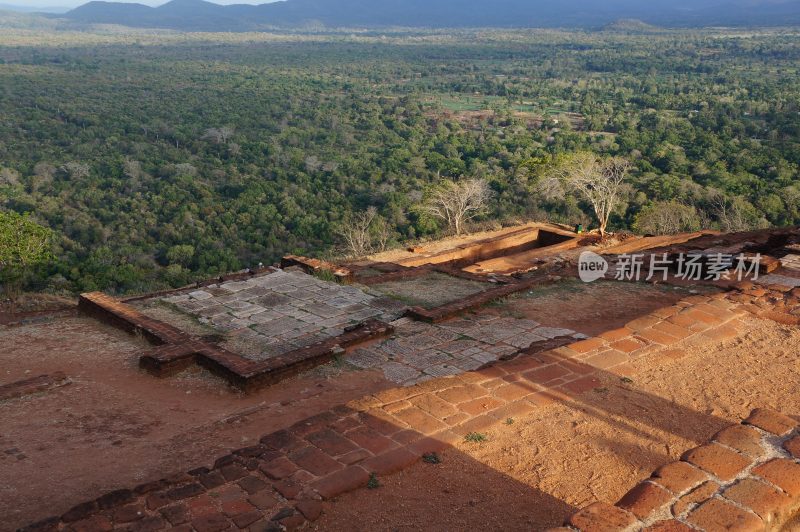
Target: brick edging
{"x":114,"y":312}
{"x":449,"y":310}
{"x":774,"y":302}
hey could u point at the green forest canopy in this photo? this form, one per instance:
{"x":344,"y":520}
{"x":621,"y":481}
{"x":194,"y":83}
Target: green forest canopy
{"x":158,"y":159}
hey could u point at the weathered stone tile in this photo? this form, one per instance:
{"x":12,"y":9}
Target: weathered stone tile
{"x":367,"y":358}
{"x":553,"y":332}
{"x":200,"y":295}
{"x":399,"y":373}
{"x":442,"y":370}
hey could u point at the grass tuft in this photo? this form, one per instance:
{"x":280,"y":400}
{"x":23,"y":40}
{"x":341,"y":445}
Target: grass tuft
{"x":431,"y":458}
{"x":475,"y":437}
{"x":373,"y":483}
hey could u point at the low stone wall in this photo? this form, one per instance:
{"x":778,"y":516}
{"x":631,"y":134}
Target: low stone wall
{"x":441,"y":313}
{"x":116,"y":313}
{"x":746,"y":478}
{"x":248,"y":375}
{"x":402,"y":273}
{"x":177,"y":350}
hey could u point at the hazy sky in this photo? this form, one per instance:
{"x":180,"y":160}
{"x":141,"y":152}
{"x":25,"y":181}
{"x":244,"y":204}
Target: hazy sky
{"x":75,"y":3}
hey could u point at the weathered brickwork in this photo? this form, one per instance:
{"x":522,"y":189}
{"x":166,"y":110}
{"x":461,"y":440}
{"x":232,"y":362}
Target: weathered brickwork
{"x":480,"y":299}
{"x":177,"y":350}
{"x":777,"y":302}
{"x":282,"y":481}
{"x":746,"y":478}
{"x":390,"y":272}
{"x":518,"y":241}
{"x":312,"y":266}
{"x":121,"y":315}
{"x":39,"y":384}
{"x":249,"y":375}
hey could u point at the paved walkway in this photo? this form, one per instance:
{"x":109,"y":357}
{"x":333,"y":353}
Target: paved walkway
{"x":419,"y":352}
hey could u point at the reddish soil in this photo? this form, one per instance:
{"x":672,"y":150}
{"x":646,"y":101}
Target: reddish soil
{"x":591,"y":308}
{"x":34,"y":306}
{"x":116,"y":426}
{"x":532,"y":474}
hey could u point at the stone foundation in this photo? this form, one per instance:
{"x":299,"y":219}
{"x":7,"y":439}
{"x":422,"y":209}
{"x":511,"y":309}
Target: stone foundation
{"x":177,"y":351}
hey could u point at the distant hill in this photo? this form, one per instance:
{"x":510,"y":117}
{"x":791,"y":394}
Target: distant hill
{"x":29,"y":9}
{"x":25,"y":21}
{"x":198,"y":15}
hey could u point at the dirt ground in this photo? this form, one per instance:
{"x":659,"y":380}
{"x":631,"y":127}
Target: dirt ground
{"x":431,"y":290}
{"x":116,"y":426}
{"x":30,"y":306}
{"x":592,"y":308}
{"x":533,"y":473}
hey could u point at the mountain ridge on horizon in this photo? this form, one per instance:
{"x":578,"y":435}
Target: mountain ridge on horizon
{"x":200,"y":15}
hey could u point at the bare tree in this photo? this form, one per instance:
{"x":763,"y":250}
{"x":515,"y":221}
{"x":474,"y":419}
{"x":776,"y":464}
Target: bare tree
{"x":382,"y":234}
{"x":735,"y":214}
{"x":75,"y":170}
{"x":218,"y":135}
{"x":356,"y":234}
{"x":458,"y":202}
{"x":8,"y":176}
{"x":600,"y":181}
{"x":185,"y":169}
{"x":667,"y":218}
{"x":226,"y":133}
{"x":43,"y":175}
{"x":213,"y":134}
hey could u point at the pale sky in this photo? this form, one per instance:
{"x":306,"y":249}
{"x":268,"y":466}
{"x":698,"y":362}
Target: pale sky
{"x":76,"y":3}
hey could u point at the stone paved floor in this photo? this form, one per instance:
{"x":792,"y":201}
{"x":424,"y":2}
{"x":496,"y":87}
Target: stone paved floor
{"x":272,"y":314}
{"x":420,"y":351}
{"x":283,"y":310}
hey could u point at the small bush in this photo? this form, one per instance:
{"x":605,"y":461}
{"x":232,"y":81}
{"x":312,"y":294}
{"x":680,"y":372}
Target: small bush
{"x":431,"y":458}
{"x":475,"y":437}
{"x":373,"y":483}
